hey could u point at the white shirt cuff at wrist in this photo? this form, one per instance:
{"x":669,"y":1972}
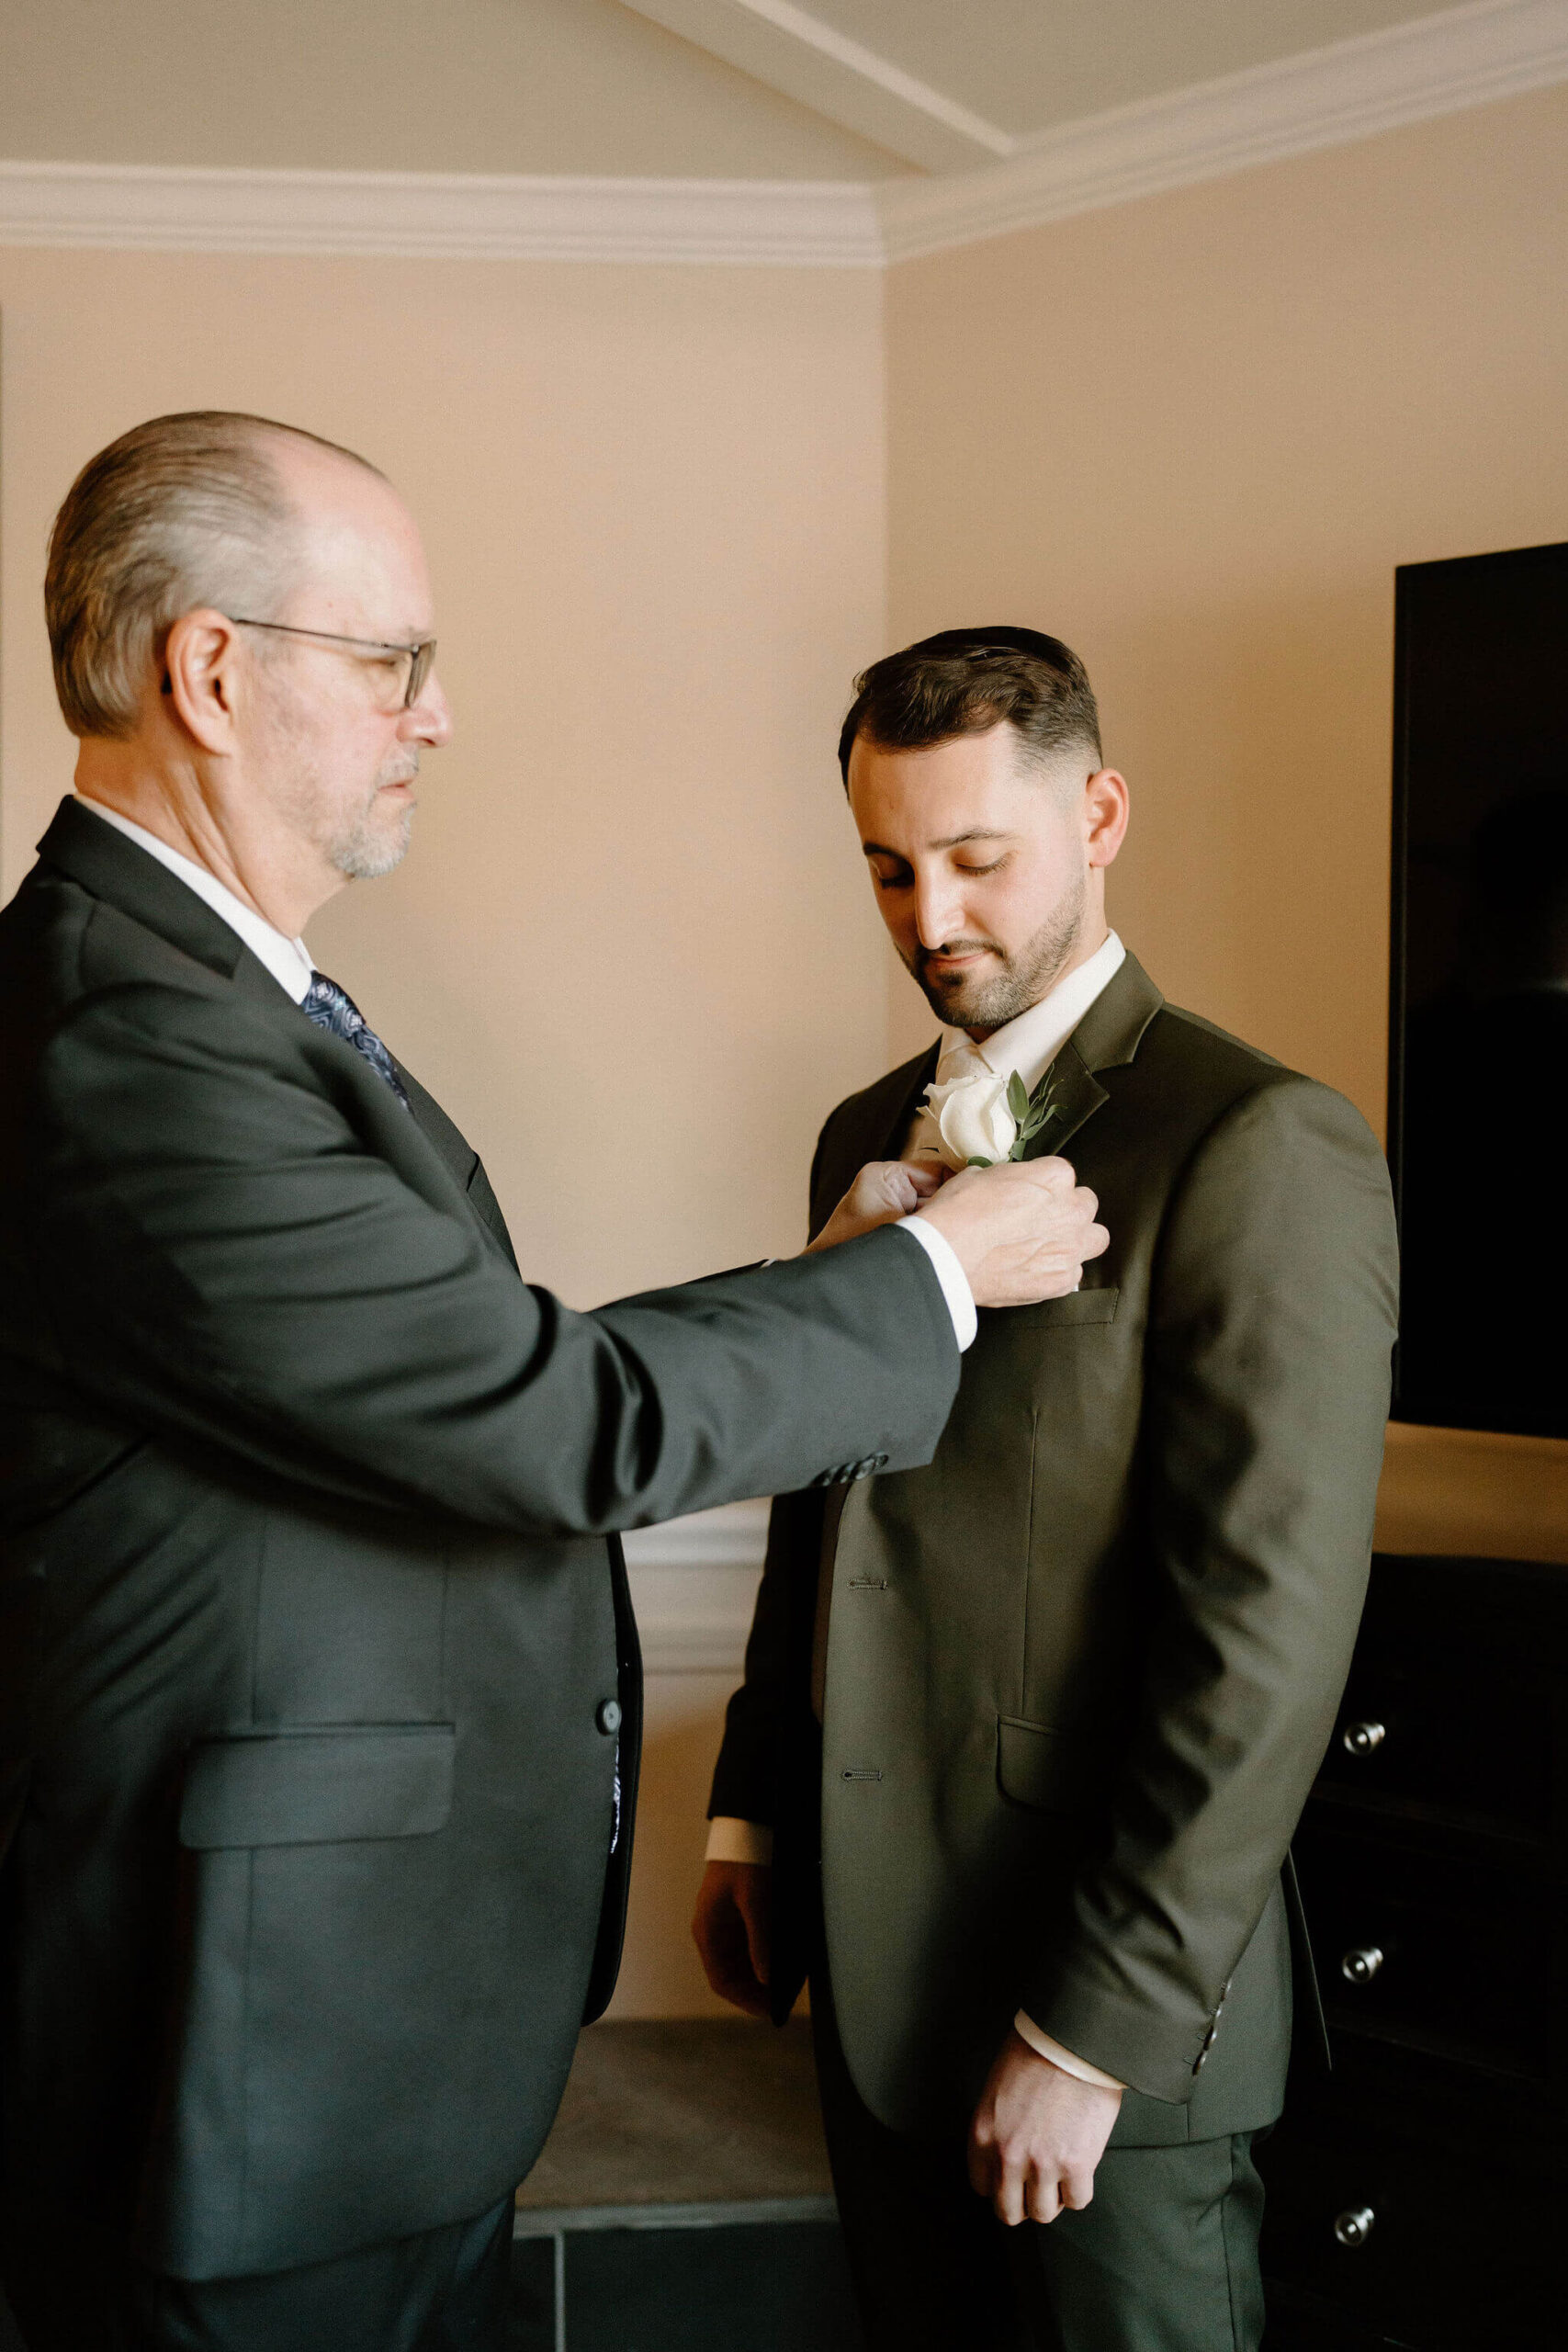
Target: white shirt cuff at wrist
{"x":1026,"y":2028}
{"x":739,"y":1841}
{"x":949,"y":1274}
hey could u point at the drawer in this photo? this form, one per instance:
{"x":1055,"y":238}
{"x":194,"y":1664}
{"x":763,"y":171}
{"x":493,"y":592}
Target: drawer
{"x":1436,"y":1738}
{"x":1419,"y":2246}
{"x":1450,"y":1957}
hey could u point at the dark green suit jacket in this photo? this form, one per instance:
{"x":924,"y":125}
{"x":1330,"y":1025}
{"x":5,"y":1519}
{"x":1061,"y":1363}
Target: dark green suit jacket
{"x":1081,"y":1669}
{"x":307,"y":1617}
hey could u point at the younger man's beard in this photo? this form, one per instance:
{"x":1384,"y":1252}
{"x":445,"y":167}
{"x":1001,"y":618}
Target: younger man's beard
{"x":968,"y":1001}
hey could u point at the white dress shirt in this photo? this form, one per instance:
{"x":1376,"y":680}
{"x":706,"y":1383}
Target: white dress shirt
{"x":1028,"y":1045}
{"x":287,"y":960}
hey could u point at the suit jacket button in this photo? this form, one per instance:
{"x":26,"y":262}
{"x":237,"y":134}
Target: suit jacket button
{"x":607,"y":1715}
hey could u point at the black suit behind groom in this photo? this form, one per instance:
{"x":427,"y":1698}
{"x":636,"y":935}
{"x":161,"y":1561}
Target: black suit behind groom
{"x":312,"y":1649}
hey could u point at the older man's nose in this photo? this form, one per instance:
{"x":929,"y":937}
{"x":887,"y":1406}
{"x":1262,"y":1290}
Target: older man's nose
{"x":432,"y":715}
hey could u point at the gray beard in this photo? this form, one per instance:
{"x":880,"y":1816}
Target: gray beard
{"x":364,"y":853}
{"x":1023,"y":980}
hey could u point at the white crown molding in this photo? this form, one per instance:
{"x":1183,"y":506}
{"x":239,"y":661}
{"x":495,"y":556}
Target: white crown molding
{"x":1324,"y":97}
{"x":432,"y":216}
{"x":1437,"y":65}
{"x":694,"y":1587}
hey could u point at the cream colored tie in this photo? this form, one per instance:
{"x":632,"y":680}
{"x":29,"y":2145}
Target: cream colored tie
{"x":959,"y":1059}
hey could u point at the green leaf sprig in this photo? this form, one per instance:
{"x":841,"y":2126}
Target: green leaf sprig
{"x":1030,"y":1112}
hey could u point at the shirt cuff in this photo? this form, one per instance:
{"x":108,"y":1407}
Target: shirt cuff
{"x":1029,"y":2031}
{"x":949,"y":1274}
{"x":739,"y":1841}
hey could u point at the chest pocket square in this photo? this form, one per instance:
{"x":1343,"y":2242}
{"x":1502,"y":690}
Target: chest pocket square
{"x":318,"y":1787}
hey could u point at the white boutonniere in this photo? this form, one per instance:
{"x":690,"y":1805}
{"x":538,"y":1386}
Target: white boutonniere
{"x":980,"y":1119}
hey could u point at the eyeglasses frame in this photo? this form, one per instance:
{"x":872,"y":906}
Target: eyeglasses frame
{"x":421,"y":657}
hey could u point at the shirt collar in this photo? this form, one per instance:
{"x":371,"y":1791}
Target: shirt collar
{"x":287,"y":960}
{"x":1032,"y":1042}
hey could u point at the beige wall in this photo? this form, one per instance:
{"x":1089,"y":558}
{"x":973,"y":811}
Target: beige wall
{"x":629,"y":947}
{"x":1194,"y":435}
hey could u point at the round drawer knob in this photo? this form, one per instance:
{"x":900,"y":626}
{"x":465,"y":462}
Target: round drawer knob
{"x":1360,"y":1967}
{"x":1359,"y":1739}
{"x":1354,"y":2227}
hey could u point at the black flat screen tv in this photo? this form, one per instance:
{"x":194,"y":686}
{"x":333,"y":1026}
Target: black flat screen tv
{"x":1478,"y":1035}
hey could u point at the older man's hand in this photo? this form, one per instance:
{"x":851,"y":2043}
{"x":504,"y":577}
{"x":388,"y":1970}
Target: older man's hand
{"x":1022,"y":1232}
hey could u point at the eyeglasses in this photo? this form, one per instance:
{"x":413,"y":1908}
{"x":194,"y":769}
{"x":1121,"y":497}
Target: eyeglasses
{"x":418,"y":657}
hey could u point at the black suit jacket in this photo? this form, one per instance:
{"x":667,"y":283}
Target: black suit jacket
{"x":309,"y":1623}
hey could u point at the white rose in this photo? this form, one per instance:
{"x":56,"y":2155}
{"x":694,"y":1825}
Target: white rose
{"x":972,"y":1119}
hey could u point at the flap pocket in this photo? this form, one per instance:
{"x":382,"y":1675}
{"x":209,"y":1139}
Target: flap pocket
{"x":314,"y":1787}
{"x":1078,"y":1307}
{"x":1058,"y":1771}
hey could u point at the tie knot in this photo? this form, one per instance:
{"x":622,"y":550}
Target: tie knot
{"x":962,"y":1059}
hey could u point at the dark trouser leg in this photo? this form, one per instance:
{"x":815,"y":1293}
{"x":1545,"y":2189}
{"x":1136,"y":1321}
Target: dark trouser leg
{"x":442,"y":2290}
{"x":931,"y":2263}
{"x":1164,"y":2260}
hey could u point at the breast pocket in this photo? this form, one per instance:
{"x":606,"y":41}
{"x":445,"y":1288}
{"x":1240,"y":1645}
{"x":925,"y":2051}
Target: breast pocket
{"x":1079,"y":1307}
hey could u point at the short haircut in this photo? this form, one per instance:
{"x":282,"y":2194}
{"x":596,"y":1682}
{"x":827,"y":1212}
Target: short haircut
{"x":181,"y":511}
{"x":966,"y":681}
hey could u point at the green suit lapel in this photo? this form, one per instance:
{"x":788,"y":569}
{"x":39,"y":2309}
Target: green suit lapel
{"x":891,"y":1140}
{"x":1106,"y":1038}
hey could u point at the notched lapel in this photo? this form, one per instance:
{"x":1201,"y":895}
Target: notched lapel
{"x":1107,"y":1037}
{"x":1075,"y":1095}
{"x":892,"y":1141}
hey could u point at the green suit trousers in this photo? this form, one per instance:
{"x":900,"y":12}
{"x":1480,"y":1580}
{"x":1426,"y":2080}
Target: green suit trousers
{"x":1164,"y":2259}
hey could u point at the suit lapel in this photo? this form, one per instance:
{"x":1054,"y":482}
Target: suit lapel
{"x":891,"y":1141}
{"x":1106,"y":1038}
{"x":121,"y":873}
{"x":1076,"y":1094}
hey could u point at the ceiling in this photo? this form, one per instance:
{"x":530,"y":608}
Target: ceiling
{"x":847,"y":90}
{"x":948,"y":87}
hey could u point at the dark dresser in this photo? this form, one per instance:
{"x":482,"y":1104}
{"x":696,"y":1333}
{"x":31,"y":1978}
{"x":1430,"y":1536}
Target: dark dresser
{"x":1418,"y":2193}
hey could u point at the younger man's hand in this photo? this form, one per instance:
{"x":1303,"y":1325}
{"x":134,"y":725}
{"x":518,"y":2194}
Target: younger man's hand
{"x":732,"y":1931}
{"x":1037,"y":2135}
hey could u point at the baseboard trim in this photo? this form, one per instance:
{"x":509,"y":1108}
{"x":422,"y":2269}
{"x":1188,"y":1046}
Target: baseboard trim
{"x":758,"y":2212}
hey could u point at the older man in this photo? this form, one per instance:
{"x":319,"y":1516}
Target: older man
{"x":318,"y":1690}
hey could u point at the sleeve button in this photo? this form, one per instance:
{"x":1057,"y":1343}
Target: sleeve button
{"x":607,"y":1715}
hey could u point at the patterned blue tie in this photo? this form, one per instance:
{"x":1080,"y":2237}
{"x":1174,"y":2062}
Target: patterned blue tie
{"x":332,"y":1008}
